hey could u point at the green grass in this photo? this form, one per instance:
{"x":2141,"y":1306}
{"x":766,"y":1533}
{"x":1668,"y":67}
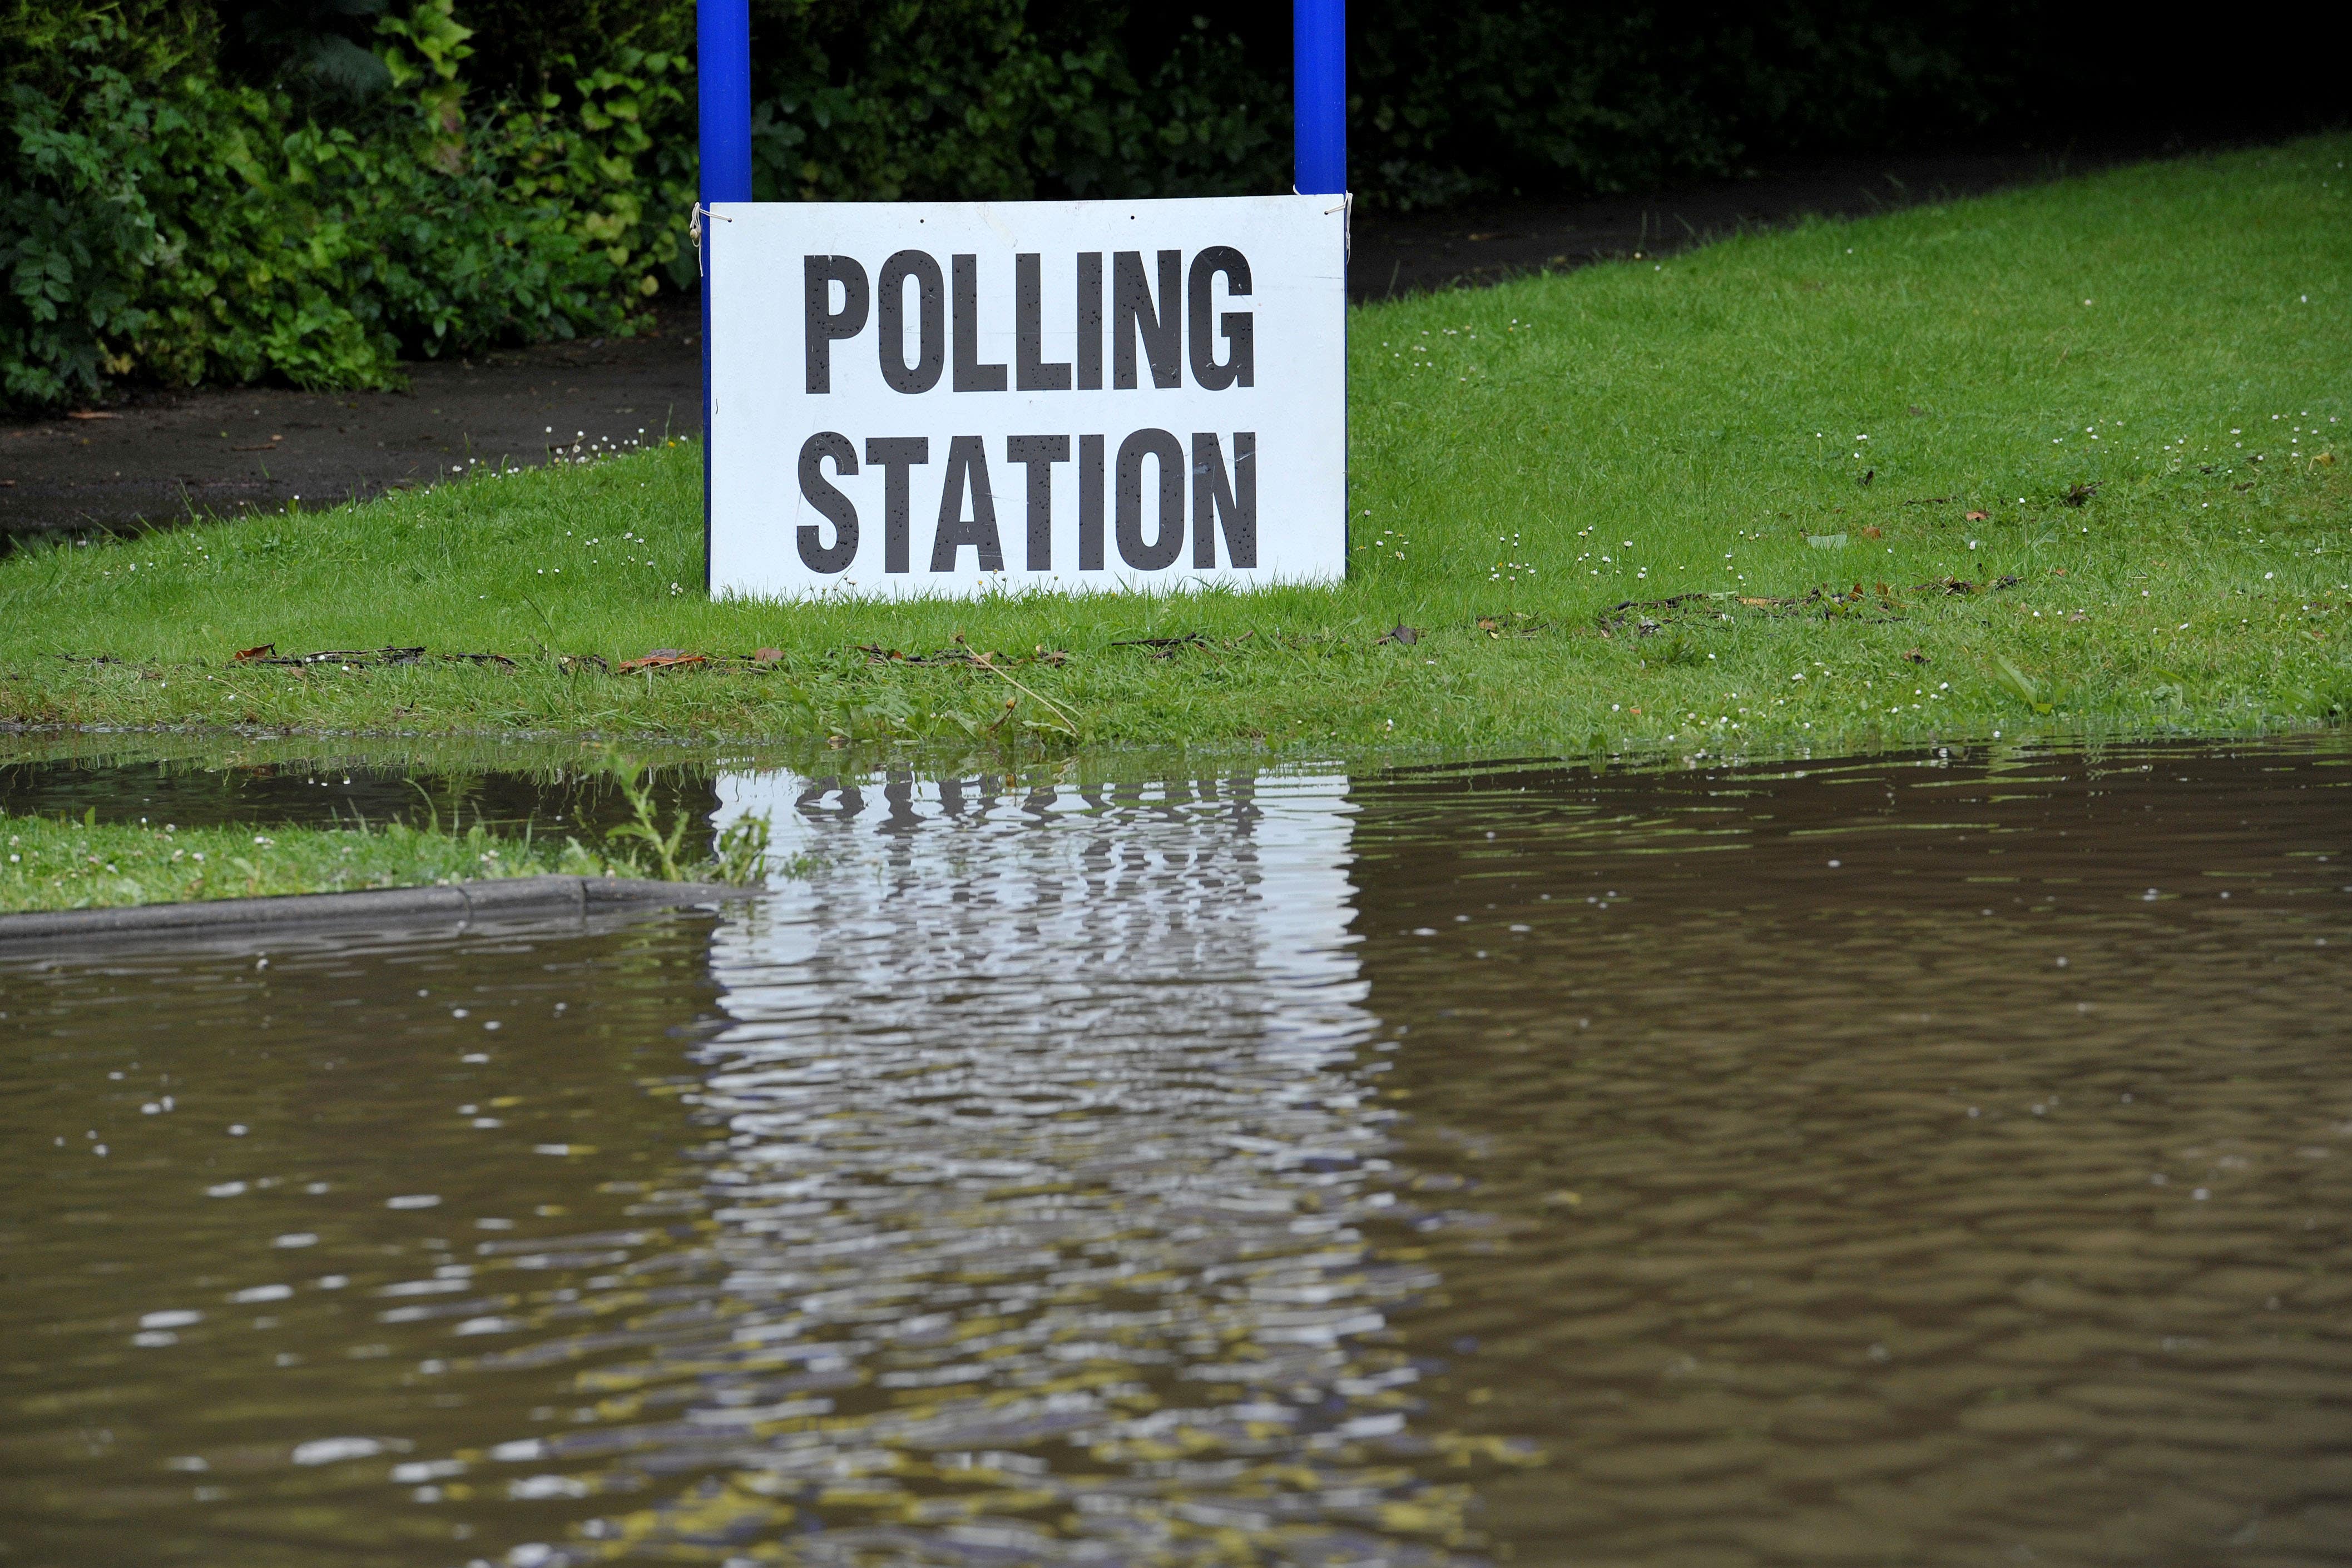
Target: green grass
{"x":2177,"y":335}
{"x":53,"y":864}
{"x":61,"y":864}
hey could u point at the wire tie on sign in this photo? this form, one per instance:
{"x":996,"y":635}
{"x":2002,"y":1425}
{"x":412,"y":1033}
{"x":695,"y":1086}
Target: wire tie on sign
{"x":1347,"y":224}
{"x":694,"y":233}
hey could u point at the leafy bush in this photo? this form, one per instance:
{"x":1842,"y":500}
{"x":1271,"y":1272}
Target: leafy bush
{"x":1002,"y":100}
{"x":191,"y":229}
{"x":313,"y":190}
{"x":1457,"y":99}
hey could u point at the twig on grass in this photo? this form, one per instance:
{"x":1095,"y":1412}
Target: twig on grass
{"x":660,"y":659}
{"x":1829,"y":603}
{"x":268,"y":655}
{"x":527,"y":598}
{"x":1069,"y":721}
{"x":1164,"y":647}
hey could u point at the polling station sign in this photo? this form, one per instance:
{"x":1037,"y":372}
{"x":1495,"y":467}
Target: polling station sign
{"x":947,"y":399}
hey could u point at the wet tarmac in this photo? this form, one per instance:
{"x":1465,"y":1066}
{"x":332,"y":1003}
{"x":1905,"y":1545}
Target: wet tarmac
{"x":1930,"y":1159}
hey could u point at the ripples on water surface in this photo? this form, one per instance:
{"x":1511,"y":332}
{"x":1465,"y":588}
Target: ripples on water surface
{"x":1919,"y":1161}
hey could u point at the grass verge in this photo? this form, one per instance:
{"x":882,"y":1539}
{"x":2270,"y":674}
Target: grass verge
{"x":2069,"y":458}
{"x":53,"y":864}
{"x":62,"y":863}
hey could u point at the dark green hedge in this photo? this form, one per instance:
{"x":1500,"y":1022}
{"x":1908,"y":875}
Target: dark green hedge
{"x":164,"y":216}
{"x":313,"y":190}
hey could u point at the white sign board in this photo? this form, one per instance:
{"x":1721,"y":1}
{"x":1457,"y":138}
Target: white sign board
{"x":947,"y":399}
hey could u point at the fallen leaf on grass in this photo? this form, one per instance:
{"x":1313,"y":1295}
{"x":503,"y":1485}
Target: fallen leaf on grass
{"x":248,"y":656}
{"x":1872,"y":533}
{"x":1401,"y":634}
{"x":1613,"y":619}
{"x":2080,"y":495}
{"x":570,"y":661}
{"x":1502,"y":625}
{"x":1915,"y":657}
{"x":1980,"y":517}
{"x":766,"y":655}
{"x":1961,"y":585}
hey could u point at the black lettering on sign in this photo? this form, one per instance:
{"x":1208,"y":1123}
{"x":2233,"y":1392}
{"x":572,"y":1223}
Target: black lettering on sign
{"x":1090,"y":503}
{"x":1164,"y":548}
{"x":1134,"y":315}
{"x":824,"y":324}
{"x":1090,"y":320}
{"x":1040,"y":453}
{"x":967,"y":467}
{"x":971,"y":376}
{"x":1233,"y":326}
{"x":897,"y":456}
{"x":930,"y":310}
{"x":1232,"y":499}
{"x":1031,"y":373}
{"x":829,"y":503}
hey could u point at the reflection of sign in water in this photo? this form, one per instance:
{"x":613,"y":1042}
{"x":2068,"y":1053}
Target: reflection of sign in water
{"x":1049,"y":1131}
{"x":919,"y":399}
{"x":1245,"y":877}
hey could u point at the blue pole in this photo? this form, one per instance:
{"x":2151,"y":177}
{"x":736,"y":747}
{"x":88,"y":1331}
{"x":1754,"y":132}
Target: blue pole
{"x":723,"y":80}
{"x":723,"y":87}
{"x":1320,"y":62}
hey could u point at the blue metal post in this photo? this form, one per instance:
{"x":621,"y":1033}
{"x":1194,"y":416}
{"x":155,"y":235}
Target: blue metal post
{"x":1320,"y":62}
{"x":723,"y":86}
{"x":1319,"y":57}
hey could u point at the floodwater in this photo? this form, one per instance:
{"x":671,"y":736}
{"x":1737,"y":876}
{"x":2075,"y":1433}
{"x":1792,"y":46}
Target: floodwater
{"x":1933,"y":1160}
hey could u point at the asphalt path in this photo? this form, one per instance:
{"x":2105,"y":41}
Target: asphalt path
{"x":156,"y":456}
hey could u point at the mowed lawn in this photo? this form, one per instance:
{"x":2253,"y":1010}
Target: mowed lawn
{"x":2065,"y":460}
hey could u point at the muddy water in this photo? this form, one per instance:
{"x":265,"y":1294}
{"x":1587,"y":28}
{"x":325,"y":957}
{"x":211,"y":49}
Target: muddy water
{"x":1934,"y":1160}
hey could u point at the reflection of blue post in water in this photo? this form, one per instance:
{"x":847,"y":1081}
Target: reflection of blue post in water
{"x":1048,"y":1138}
